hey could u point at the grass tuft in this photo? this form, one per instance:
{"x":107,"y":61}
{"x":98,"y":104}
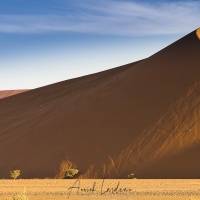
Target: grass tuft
{"x":65,"y":165}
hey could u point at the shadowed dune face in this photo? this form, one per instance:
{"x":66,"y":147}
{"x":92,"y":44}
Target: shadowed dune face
{"x":7,"y":93}
{"x":167,"y":148}
{"x":198,"y":33}
{"x":128,"y":118}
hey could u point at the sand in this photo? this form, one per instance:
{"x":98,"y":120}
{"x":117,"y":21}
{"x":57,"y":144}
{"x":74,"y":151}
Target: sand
{"x":141,"y":118}
{"x":198,"y":33}
{"x":101,"y":189}
{"x":7,"y":93}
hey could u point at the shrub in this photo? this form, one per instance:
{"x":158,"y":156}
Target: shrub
{"x":65,"y":165}
{"x":15,"y":173}
{"x":131,"y":176}
{"x":71,"y":173}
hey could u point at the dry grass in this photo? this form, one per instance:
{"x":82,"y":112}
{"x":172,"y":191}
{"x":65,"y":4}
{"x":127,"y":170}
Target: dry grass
{"x":141,"y":189}
{"x":89,"y":174}
{"x":65,"y":165}
{"x":22,"y":196}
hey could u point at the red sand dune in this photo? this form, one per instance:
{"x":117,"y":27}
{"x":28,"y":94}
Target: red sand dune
{"x":198,"y":33}
{"x":7,"y":93}
{"x":141,"y":118}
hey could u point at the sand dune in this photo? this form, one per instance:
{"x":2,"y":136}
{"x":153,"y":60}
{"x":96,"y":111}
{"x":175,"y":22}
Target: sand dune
{"x":167,"y":149}
{"x":198,"y":33}
{"x":7,"y":93}
{"x":140,"y":118}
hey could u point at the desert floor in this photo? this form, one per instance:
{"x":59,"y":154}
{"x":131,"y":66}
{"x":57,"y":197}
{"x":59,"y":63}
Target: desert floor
{"x":38,"y":189}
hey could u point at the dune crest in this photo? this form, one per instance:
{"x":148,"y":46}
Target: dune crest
{"x":198,"y":33}
{"x":7,"y":93}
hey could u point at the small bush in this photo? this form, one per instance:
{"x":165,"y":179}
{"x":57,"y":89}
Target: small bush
{"x":64,"y":167}
{"x":71,"y":173}
{"x":15,"y":173}
{"x":131,"y":176}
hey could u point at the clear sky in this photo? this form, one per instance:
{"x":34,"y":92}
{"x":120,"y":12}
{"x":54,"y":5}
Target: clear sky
{"x":47,"y":41}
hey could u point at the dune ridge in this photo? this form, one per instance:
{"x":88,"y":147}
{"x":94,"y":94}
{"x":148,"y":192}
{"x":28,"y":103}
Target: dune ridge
{"x":7,"y":93}
{"x":198,"y":33}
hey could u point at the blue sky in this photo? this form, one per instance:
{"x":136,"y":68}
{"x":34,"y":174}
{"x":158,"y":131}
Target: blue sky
{"x":47,"y":41}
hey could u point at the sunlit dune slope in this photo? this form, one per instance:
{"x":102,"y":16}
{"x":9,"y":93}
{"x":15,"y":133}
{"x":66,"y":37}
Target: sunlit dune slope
{"x":7,"y":93}
{"x":198,"y":33}
{"x":170,"y":148}
{"x":144,"y":112}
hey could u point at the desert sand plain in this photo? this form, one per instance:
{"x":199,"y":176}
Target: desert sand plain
{"x":100,"y":189}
